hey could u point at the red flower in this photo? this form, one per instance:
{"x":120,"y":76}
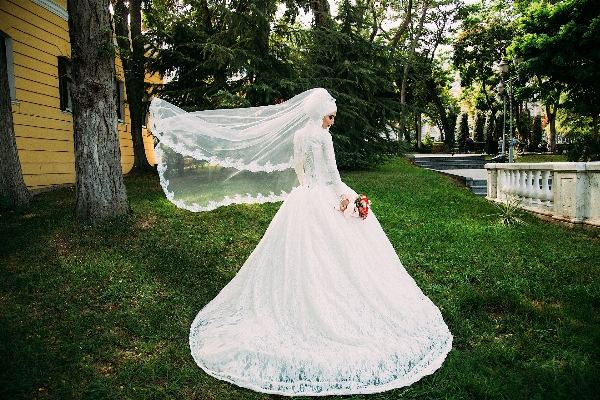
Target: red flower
{"x":362,"y":205}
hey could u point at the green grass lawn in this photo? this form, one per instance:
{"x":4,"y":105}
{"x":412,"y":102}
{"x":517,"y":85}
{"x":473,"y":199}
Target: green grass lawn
{"x":103,"y":312}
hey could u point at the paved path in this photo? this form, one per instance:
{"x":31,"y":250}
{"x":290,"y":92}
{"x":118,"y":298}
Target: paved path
{"x":444,"y":155}
{"x":474,"y":178}
{"x":475,"y":174}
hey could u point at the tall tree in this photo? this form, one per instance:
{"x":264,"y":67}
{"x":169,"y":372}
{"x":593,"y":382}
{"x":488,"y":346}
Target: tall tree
{"x":12,"y":185}
{"x":438,"y":78}
{"x":537,"y":132}
{"x":445,"y":125}
{"x":128,"y":28}
{"x":415,"y":36}
{"x":403,"y":27}
{"x":485,"y":34}
{"x":220,"y":55}
{"x":99,"y":184}
{"x":560,"y":44}
{"x":359,"y":74}
{"x":421,"y":70}
{"x":218,"y":64}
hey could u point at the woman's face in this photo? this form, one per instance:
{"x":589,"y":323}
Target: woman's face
{"x":329,"y":120}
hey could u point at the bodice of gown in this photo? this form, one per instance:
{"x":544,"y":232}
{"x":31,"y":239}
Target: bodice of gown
{"x":314,"y":159}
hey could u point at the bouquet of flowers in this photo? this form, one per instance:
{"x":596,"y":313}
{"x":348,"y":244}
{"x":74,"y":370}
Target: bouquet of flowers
{"x":359,"y":208}
{"x":361,"y":204}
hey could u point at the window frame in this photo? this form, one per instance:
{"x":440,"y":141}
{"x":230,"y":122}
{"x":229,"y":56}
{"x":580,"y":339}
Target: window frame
{"x":120,"y":92}
{"x":7,"y":47}
{"x":64,"y":85}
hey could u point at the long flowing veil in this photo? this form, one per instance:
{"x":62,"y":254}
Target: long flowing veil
{"x":208,"y":159}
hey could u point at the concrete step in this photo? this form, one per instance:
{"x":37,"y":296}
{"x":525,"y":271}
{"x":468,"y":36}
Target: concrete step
{"x":478,"y":187}
{"x":451,"y":162}
{"x":444,"y":166}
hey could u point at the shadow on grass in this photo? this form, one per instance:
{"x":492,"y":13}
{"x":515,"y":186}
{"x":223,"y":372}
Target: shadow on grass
{"x":101,"y":311}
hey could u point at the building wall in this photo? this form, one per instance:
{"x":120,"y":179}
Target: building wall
{"x":39,"y":33}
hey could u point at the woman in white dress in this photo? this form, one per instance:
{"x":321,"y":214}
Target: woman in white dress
{"x":323,"y":305}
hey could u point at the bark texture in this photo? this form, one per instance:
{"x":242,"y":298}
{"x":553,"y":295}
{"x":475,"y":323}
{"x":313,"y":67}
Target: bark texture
{"x":321,"y":12}
{"x":132,"y":58}
{"x":413,"y":46}
{"x":12,"y":185}
{"x":447,"y":130}
{"x":100,"y":189}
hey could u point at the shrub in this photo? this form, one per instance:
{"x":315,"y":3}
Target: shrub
{"x":583,"y":147}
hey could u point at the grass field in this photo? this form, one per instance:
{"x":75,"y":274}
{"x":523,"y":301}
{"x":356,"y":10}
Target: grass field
{"x":103,"y":312}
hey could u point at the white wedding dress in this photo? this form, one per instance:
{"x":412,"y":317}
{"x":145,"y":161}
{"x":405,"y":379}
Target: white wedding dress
{"x":323,"y":305}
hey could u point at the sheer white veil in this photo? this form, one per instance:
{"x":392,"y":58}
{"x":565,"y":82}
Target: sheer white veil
{"x":208,"y":159}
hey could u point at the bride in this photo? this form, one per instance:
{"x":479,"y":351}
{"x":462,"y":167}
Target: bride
{"x":323,"y":305}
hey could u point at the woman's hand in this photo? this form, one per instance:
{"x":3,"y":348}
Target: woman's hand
{"x":344,"y":203}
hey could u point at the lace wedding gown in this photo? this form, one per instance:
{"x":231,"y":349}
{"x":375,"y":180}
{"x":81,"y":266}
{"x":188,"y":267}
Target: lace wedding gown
{"x":323,"y":305}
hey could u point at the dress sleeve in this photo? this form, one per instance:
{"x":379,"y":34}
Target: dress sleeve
{"x":339,"y":186}
{"x":298,"y":164}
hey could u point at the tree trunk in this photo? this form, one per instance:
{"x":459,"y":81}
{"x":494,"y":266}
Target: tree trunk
{"x":12,"y":185}
{"x":411,"y":53}
{"x":206,"y":16}
{"x":99,"y":183}
{"x":132,"y":58}
{"x":551,"y":114}
{"x":431,"y":89}
{"x":375,"y":26}
{"x":418,"y":127}
{"x":521,"y":129}
{"x":321,"y":12}
{"x":261,"y":38}
{"x":402,"y":28}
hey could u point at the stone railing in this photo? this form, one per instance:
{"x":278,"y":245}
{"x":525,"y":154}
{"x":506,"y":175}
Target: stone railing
{"x":564,"y":191}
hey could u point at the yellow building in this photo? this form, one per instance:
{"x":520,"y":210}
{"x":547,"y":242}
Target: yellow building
{"x":35,"y":36}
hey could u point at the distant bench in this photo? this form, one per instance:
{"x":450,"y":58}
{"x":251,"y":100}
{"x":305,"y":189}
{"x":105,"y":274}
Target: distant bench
{"x":478,"y":147}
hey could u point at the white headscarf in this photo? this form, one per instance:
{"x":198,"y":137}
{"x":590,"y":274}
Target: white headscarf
{"x":319,"y":104}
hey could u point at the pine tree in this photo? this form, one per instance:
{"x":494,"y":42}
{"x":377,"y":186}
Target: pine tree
{"x":463,"y":129}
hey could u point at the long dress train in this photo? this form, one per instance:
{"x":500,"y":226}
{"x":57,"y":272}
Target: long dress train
{"x":323,"y":305}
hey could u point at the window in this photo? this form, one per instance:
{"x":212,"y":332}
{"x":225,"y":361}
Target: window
{"x":6,"y":48}
{"x":64,"y":84}
{"x":120,"y":89}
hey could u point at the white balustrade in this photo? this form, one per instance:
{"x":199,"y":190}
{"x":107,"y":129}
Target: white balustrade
{"x":536,"y":187}
{"x":531,"y":184}
{"x":564,"y":191}
{"x":546,"y":196}
{"x":522,"y":192}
